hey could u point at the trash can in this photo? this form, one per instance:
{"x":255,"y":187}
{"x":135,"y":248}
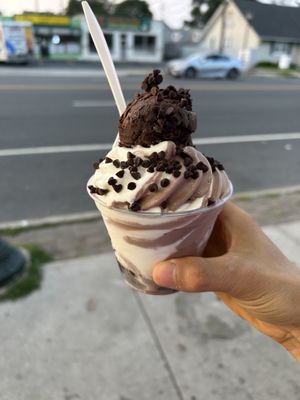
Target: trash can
{"x":284,"y":61}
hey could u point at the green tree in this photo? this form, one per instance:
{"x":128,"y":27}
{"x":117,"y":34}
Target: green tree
{"x":133,"y":9}
{"x":99,"y":7}
{"x":198,"y":18}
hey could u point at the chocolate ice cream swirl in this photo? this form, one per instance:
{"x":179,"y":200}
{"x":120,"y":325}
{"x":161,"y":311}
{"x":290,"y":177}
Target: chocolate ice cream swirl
{"x":158,"y":115}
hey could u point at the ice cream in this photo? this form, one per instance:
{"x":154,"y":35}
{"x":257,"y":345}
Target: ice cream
{"x":159,"y":196}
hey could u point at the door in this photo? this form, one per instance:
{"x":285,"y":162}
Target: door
{"x":123,"y":47}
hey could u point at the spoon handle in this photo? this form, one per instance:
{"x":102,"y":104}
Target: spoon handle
{"x":105,"y":57}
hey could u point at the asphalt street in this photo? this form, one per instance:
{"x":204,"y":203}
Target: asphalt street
{"x":51,"y":110}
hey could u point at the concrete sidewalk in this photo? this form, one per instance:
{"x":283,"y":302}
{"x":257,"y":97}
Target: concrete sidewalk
{"x":85,"y":335}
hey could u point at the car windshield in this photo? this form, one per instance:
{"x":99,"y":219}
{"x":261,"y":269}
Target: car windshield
{"x":194,"y":57}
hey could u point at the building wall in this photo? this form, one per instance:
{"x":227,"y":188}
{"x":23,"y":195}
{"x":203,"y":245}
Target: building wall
{"x":264,"y":53}
{"x":239,"y":37}
{"x":130,"y":51}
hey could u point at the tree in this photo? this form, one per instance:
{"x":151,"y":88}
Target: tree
{"x":98,"y":6}
{"x":199,"y":15}
{"x":133,"y":9}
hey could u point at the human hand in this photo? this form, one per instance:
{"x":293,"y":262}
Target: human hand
{"x":247,"y":272}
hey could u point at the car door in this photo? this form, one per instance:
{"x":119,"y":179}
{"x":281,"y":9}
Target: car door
{"x":215,"y":66}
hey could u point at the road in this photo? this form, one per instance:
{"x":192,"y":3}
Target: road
{"x":42,"y":110}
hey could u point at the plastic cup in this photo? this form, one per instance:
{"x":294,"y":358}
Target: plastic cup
{"x":141,"y":239}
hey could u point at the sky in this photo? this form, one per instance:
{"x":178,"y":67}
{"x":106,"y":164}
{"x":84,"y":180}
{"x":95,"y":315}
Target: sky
{"x":173,"y":12}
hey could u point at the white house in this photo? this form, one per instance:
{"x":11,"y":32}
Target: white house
{"x":254,"y":31}
{"x":129,"y":39}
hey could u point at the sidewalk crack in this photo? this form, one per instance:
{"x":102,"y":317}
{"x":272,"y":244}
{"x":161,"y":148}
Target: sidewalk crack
{"x":159,"y":346}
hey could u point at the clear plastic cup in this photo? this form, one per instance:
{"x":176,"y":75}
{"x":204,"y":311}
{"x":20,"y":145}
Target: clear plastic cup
{"x":141,"y":239}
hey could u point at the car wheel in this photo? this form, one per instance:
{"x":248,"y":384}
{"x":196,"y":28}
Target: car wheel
{"x":233,"y":73}
{"x":190,"y":72}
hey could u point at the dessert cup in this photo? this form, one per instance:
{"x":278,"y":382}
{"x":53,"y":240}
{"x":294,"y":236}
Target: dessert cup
{"x":141,"y":239}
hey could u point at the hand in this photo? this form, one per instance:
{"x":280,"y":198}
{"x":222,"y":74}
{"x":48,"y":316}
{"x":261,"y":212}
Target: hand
{"x":248,"y":273}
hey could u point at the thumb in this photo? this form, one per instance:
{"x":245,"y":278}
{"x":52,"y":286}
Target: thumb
{"x":196,"y":274}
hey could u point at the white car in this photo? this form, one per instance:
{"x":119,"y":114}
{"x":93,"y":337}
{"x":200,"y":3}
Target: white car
{"x":209,"y":66}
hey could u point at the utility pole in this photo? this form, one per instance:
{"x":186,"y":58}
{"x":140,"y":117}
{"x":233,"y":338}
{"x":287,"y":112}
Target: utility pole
{"x":37,"y":6}
{"x":223,"y":28}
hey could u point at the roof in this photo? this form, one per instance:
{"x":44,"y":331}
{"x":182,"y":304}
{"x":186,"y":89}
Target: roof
{"x":272,"y":22}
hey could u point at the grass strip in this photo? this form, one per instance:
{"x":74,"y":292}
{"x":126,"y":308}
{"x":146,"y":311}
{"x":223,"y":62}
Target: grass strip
{"x":32,"y":278}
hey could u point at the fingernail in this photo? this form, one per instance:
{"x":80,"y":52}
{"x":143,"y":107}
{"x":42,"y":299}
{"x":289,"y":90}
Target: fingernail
{"x":164,"y":275}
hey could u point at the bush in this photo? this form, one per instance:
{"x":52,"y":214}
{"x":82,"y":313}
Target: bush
{"x":266,"y":64}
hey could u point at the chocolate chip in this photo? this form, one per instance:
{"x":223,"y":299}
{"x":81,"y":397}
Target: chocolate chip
{"x":123,"y":164}
{"x":133,"y":168}
{"x":108,"y":160}
{"x":169,"y":169}
{"x":99,"y":191}
{"x":153,"y":156}
{"x":202,"y":167}
{"x":187,"y":174}
{"x":136,"y":175}
{"x":220,"y":166}
{"x":176,"y":173}
{"x":120,"y":174}
{"x":164,"y":182}
{"x":117,"y":188}
{"x":116,"y":163}
{"x":102,"y":192}
{"x":146,"y":164}
{"x":177,"y":166}
{"x":164,"y":205}
{"x":130,"y":156}
{"x":112,"y":181}
{"x":187,"y":161}
{"x":92,"y":189}
{"x":161,"y":155}
{"x":215,"y":164}
{"x":160,"y":166}
{"x":137,"y":161}
{"x":150,"y":169}
{"x":131,"y":186}
{"x":135,"y":206}
{"x":210,"y":201}
{"x":195,"y":174}
{"x":96,"y":165}
{"x":153,"y":187}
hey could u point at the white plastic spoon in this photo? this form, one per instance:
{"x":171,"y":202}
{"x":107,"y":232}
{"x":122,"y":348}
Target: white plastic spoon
{"x":105,"y":58}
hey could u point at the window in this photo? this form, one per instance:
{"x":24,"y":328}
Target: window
{"x":276,"y":47}
{"x":109,"y":41}
{"x":144,"y":43}
{"x":216,"y":57}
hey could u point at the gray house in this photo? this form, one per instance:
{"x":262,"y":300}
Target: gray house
{"x":254,"y":31}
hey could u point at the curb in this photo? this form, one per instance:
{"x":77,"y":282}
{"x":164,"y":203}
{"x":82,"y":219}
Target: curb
{"x":94,"y":215}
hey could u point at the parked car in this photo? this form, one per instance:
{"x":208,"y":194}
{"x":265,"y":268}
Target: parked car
{"x":209,"y":66}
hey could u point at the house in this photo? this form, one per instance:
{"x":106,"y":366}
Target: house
{"x":129,"y":39}
{"x":254,"y":31}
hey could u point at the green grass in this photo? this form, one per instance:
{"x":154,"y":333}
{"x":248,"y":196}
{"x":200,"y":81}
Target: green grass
{"x":266,"y":64}
{"x":32,"y":278}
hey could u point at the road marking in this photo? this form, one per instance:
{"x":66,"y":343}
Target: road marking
{"x":70,"y":72}
{"x":196,"y":87}
{"x":272,"y":137}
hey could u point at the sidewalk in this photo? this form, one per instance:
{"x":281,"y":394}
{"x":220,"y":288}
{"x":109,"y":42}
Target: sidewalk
{"x":85,"y":335}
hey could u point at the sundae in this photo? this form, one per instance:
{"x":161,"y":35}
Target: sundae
{"x":158,"y":195}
